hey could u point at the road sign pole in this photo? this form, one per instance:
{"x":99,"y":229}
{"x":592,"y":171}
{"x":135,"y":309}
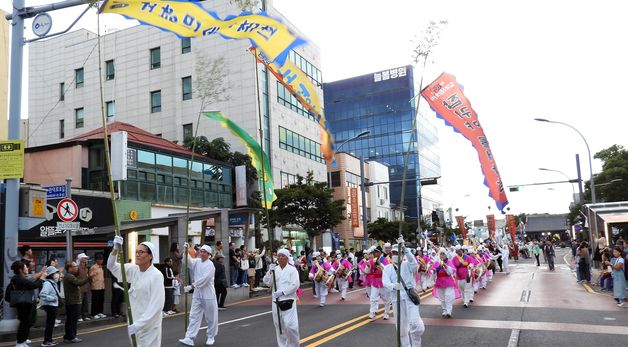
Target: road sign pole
{"x":68,"y":233}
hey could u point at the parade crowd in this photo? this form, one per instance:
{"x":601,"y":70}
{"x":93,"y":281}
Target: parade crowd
{"x":449,"y":272}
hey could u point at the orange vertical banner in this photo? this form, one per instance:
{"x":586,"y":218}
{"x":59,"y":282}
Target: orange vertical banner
{"x":512,"y":227}
{"x":447,"y":99}
{"x":490,"y":221}
{"x":462,"y":226}
{"x":355,"y":210}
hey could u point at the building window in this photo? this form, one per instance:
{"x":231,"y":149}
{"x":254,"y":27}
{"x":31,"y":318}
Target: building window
{"x":110,"y":70}
{"x":186,"y":86}
{"x":335,"y":179}
{"x":61,"y":91}
{"x":187,"y":131}
{"x":110,"y":108}
{"x":284,"y":97}
{"x":155,"y":58}
{"x":155,"y":101}
{"x":78,"y":78}
{"x":287,"y":179}
{"x":299,"y":144}
{"x":79,"y":117}
{"x":186,"y":45}
{"x":61,"y":128}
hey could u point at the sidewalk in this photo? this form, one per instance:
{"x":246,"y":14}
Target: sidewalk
{"x":594,"y":286}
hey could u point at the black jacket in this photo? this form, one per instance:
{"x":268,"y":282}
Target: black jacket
{"x":24,"y":283}
{"x":220,"y":276}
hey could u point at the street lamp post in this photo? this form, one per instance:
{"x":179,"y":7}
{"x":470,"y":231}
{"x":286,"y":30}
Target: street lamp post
{"x":592,"y":183}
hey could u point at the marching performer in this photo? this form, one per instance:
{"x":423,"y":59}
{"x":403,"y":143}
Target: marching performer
{"x":284,"y":299}
{"x":375,"y":269}
{"x":422,"y":275}
{"x":476,"y":271}
{"x":363,"y":275}
{"x":320,"y":274}
{"x":461,"y":263}
{"x":204,"y":302}
{"x":147,"y":297}
{"x":445,"y":289}
{"x":343,"y":269}
{"x":411,"y":327}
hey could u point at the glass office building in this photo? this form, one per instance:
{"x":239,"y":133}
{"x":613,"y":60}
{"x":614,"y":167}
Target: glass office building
{"x":382,"y":103}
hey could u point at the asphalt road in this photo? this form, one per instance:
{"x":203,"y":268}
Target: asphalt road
{"x":557,"y":312}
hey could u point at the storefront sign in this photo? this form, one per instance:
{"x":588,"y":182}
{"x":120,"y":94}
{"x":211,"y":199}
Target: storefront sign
{"x":235,"y":232}
{"x":238,"y":219}
{"x":56,"y":192}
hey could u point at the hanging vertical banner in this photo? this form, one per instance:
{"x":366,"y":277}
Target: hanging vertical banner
{"x":462,"y":226}
{"x":191,"y":19}
{"x":254,"y":151}
{"x":355,"y":210}
{"x":446,"y":98}
{"x":490,"y":221}
{"x":299,"y":84}
{"x":512,"y":226}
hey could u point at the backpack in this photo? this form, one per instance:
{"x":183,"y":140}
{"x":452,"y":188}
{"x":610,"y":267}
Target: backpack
{"x":7,"y":292}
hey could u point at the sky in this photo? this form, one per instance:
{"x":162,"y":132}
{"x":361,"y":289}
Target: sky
{"x":517,"y":60}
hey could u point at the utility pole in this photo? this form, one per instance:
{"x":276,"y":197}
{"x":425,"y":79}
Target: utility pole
{"x":9,"y":321}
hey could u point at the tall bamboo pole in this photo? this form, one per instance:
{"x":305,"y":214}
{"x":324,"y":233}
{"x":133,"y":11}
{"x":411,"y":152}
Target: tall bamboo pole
{"x":116,"y":220}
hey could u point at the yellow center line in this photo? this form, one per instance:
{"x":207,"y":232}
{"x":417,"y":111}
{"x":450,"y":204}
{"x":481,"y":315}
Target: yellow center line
{"x":343,"y":331}
{"x":336,"y":327}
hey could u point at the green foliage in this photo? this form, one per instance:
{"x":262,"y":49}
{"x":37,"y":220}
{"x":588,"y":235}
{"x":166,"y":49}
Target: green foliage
{"x":384,"y":230}
{"x":307,"y":204}
{"x":612,"y":181}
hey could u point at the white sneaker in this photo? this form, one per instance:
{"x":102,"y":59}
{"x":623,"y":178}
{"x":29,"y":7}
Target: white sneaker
{"x":187,"y":341}
{"x":209,"y":342}
{"x":245,"y":285}
{"x":372,"y":315}
{"x":80,"y":319}
{"x":58,"y":321}
{"x":386,"y":316}
{"x":170,"y":312}
{"x":334,"y":290}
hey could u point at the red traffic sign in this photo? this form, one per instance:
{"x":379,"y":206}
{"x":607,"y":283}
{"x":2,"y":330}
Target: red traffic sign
{"x":67,"y":210}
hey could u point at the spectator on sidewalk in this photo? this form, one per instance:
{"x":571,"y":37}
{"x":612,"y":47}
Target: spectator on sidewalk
{"x":606,"y":275}
{"x":584,"y":263}
{"x":97,"y":273}
{"x":169,"y":279}
{"x":25,"y":310}
{"x":218,"y":249}
{"x":176,"y":256}
{"x":73,"y":300}
{"x":117,"y":296}
{"x":83,"y":273}
{"x":251,"y":270}
{"x":618,"y":264}
{"x":244,"y":269}
{"x":259,"y":266}
{"x":49,"y":297}
{"x":220,"y":282}
{"x":234,"y":263}
{"x":27,"y":258}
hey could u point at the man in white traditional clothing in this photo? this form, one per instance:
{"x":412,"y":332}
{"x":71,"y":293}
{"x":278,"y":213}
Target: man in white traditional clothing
{"x":284,"y":288}
{"x":411,"y":326}
{"x":147,"y":296}
{"x":204,"y":298}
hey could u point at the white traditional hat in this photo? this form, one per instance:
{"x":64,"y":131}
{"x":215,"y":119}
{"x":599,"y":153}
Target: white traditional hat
{"x":457,"y":247}
{"x":471,"y":250}
{"x":387,"y":244}
{"x":81,"y":256}
{"x":286,"y":252}
{"x":442,"y":251}
{"x":206,"y":248}
{"x":395,"y":248}
{"x":465,"y":248}
{"x":316,"y":254}
{"x":150,"y":246}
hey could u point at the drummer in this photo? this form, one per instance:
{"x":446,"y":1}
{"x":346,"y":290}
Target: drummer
{"x":320,"y":273}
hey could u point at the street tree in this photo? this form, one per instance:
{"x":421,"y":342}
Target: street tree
{"x":611,"y":182}
{"x":382,"y":229}
{"x":307,"y":204}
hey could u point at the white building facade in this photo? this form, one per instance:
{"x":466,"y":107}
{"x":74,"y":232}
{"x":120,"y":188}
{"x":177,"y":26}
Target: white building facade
{"x":379,"y":192}
{"x":148,"y":80}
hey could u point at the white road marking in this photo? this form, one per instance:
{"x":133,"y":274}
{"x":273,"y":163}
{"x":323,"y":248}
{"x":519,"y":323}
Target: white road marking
{"x":239,"y":319}
{"x":514,"y":338}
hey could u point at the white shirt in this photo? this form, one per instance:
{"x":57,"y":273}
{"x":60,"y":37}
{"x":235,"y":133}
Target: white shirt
{"x":203,"y":273}
{"x":147,"y":298}
{"x":287,"y":281}
{"x":409,"y":267}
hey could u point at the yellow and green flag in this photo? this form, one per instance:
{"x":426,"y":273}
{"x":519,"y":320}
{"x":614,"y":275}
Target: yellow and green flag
{"x":254,"y":150}
{"x":188,"y":18}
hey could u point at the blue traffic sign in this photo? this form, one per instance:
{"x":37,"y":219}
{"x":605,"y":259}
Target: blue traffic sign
{"x":56,"y":192}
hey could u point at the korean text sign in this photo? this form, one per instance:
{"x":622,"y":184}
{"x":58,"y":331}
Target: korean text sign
{"x":446,"y":98}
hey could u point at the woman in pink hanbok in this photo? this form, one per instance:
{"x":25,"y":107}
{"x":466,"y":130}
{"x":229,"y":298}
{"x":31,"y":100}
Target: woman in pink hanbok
{"x":342,"y":268}
{"x":446,"y":288}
